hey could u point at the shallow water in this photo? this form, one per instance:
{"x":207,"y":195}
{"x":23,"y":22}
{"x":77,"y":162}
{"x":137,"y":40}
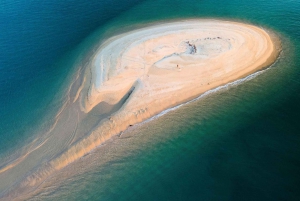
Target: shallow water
{"x":240,"y":143}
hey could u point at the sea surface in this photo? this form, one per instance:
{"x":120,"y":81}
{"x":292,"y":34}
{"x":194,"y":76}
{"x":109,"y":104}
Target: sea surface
{"x":241,"y":142}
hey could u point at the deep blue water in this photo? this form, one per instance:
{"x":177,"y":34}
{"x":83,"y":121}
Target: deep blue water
{"x":237,"y":144}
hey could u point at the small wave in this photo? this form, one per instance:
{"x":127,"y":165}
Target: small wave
{"x":212,"y":91}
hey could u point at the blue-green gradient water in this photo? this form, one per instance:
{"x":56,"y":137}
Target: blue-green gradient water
{"x":240,"y":143}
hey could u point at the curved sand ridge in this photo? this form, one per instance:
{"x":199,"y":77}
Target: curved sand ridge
{"x":162,"y":66}
{"x":156,"y":68}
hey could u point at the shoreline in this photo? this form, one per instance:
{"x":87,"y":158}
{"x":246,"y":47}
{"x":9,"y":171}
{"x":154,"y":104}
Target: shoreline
{"x":108,"y":127}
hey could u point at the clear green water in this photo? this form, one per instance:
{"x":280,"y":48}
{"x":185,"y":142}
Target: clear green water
{"x":240,"y":143}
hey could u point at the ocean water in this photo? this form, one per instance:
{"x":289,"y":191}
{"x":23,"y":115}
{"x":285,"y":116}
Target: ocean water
{"x":239,"y":143}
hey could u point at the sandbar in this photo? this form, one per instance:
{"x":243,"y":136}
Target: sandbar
{"x":161,"y":66}
{"x":144,"y":72}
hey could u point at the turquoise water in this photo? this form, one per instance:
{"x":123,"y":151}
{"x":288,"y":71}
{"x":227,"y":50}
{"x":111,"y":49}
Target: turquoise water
{"x":240,"y":143}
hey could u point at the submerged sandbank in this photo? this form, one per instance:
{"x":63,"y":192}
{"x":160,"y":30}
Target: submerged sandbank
{"x":150,"y":70}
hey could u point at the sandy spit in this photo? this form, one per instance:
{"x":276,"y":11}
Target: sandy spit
{"x":150,"y":70}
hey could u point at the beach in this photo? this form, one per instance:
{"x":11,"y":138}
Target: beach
{"x":142,"y":72}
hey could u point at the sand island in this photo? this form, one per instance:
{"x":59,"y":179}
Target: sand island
{"x":162,"y":66}
{"x":150,"y":69}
